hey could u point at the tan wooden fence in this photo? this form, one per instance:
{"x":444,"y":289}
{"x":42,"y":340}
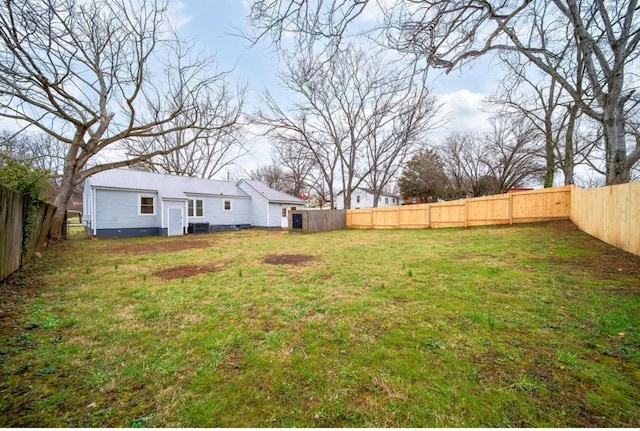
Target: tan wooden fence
{"x":524,"y":207}
{"x":611,"y":214}
{"x":15,"y":211}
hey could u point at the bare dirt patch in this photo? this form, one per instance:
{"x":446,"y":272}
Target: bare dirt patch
{"x":186,"y":271}
{"x":160,"y":246}
{"x":288,"y":259}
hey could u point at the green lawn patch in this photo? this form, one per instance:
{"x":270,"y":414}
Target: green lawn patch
{"x":529,"y":326}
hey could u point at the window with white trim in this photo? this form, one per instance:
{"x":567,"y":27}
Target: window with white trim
{"x":146,"y":205}
{"x":226,"y":205}
{"x":195,"y":208}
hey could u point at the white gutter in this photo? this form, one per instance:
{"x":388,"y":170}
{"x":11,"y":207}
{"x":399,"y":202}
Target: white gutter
{"x":94,"y":216}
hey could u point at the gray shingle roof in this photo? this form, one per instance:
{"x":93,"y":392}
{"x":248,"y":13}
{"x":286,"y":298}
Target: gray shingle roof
{"x":167,"y":186}
{"x":271,"y":194}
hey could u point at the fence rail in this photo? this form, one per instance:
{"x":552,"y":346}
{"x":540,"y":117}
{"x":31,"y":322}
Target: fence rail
{"x":16,"y":212}
{"x":611,"y":214}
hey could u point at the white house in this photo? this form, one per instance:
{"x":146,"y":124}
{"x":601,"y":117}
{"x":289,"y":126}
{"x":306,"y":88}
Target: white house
{"x":363,"y":198}
{"x":124,"y":203}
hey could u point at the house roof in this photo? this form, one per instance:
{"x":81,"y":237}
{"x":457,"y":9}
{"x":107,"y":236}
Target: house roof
{"x":386,"y":194}
{"x":272,"y":195}
{"x":167,"y":186}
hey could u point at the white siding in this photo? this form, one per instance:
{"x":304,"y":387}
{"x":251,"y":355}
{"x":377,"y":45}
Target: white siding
{"x":117,"y":209}
{"x":366,"y":200}
{"x":215,"y":214}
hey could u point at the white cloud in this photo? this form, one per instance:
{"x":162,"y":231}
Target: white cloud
{"x":177,"y":16}
{"x":462,"y":111}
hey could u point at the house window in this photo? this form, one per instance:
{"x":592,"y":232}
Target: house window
{"x":293,"y":208}
{"x":358,"y":199}
{"x":195,"y":208}
{"x":393,"y":200}
{"x":227,"y":205}
{"x":284,"y":212}
{"x":414,"y":200}
{"x":386,"y":200}
{"x":147,"y":205}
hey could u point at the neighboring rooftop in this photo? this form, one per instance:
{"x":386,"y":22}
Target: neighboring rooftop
{"x":386,"y":194}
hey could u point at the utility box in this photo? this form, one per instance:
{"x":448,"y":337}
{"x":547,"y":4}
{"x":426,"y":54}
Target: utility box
{"x":198,"y":228}
{"x":296,"y":220}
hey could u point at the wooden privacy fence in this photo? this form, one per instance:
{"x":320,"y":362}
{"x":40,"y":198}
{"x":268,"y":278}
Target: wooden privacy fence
{"x":313,"y":221}
{"x":24,"y":224}
{"x":511,"y":208}
{"x":611,"y":214}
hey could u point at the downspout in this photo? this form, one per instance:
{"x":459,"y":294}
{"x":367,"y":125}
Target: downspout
{"x":94,"y":216}
{"x":162,"y":214}
{"x":185,"y":218}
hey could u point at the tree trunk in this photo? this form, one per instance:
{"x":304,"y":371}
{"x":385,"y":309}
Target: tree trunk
{"x":550,"y":168}
{"x":568,"y":165}
{"x":61,"y":202}
{"x":615,"y":147}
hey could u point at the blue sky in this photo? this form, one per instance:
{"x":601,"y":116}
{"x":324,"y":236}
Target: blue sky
{"x":214,"y":25}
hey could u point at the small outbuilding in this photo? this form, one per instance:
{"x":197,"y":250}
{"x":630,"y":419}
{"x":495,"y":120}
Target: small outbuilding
{"x":125,"y":203}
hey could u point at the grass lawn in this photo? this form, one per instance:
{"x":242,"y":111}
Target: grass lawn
{"x":535,"y":325}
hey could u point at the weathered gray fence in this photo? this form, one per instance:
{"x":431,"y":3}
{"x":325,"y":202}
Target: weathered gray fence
{"x":312,"y":221}
{"x":24,"y":224}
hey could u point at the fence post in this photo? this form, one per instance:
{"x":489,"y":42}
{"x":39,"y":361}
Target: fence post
{"x":466,"y":214}
{"x":510,"y":208}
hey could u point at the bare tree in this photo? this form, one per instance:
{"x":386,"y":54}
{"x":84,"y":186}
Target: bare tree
{"x":513,"y":156}
{"x":272,"y":176}
{"x":448,"y":34}
{"x":211,"y":152}
{"x":464,"y":155}
{"x":395,"y":136}
{"x":93,"y":74}
{"x":313,"y":140}
{"x":41,"y":150}
{"x":357,"y":118}
{"x":506,"y":157}
{"x":296,"y":158}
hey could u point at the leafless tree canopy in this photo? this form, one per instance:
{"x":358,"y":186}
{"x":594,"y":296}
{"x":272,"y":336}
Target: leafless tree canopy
{"x":94,"y":74}
{"x":198,"y":153}
{"x":506,"y":157}
{"x":357,"y":119}
{"x":603,"y":44}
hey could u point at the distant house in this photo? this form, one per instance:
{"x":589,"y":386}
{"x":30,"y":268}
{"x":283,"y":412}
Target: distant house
{"x":124,"y":203}
{"x":363,"y":198}
{"x":408,"y":200}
